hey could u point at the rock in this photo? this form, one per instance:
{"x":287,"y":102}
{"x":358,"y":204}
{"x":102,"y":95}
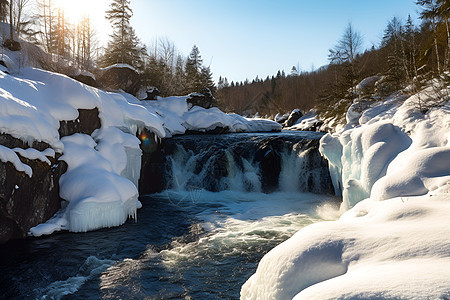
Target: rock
{"x":26,"y":202}
{"x":268,"y":154}
{"x":86,"y":78}
{"x":87,"y":121}
{"x":203,"y":99}
{"x":217,"y":130}
{"x":279,"y":118}
{"x":152,"y":93}
{"x":12,"y":45}
{"x":293,"y":117}
{"x":317,"y":167}
{"x":367,"y":85}
{"x":151,"y":180}
{"x":12,"y":142}
{"x":120,"y":77}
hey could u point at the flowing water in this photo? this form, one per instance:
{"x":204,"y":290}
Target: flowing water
{"x":197,"y":239}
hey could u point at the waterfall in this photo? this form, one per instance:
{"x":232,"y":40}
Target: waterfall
{"x":286,"y":162}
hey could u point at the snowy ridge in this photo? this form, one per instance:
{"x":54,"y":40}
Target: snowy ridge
{"x":391,"y":164}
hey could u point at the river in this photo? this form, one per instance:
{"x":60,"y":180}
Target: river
{"x":189,"y":242}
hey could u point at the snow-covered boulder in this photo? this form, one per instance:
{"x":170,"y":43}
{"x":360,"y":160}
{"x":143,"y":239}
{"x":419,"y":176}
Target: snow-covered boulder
{"x":293,"y":117}
{"x":367,"y":85}
{"x":120,"y":77}
{"x":85,"y":77}
{"x":203,"y":99}
{"x":308,"y":122}
{"x":366,"y":153}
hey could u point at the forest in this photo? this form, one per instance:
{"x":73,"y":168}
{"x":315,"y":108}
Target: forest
{"x":408,"y":55}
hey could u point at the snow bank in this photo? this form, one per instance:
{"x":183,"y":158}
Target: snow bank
{"x":394,"y":249}
{"x":392,"y":166}
{"x":177,"y":117}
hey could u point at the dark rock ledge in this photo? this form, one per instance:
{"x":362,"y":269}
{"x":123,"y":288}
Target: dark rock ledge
{"x":26,"y":202}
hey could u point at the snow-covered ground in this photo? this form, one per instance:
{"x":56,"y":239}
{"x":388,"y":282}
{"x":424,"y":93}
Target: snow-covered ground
{"x":391,"y":163}
{"x":100,"y":186}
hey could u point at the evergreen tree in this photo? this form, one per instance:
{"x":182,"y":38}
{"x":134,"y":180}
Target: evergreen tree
{"x":294,"y":71}
{"x":397,"y":71}
{"x":411,"y":46}
{"x":193,"y":71}
{"x":179,"y":75}
{"x":431,"y":12}
{"x":206,"y":79}
{"x":124,"y":45}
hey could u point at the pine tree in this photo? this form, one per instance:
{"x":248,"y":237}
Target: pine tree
{"x":411,"y":46}
{"x":397,"y":70}
{"x":206,"y":79}
{"x":179,"y":75}
{"x":430,"y":11}
{"x":193,"y":71}
{"x":294,"y":71}
{"x":124,"y":46}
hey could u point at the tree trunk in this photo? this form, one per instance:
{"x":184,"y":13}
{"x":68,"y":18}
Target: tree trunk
{"x":447,"y":55}
{"x":436,"y":48}
{"x":11,"y":21}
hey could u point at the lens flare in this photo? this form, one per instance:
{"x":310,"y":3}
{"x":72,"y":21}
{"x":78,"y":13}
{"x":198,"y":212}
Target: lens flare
{"x":144,"y":139}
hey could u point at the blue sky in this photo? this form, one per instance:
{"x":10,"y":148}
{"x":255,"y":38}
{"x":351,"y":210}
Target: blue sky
{"x":244,"y":38}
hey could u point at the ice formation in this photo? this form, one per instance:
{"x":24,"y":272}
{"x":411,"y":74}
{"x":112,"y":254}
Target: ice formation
{"x":391,"y":164}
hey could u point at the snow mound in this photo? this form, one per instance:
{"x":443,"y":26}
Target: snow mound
{"x":392,"y":249}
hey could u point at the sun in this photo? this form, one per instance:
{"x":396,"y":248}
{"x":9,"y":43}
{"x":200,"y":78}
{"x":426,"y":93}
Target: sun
{"x":75,"y":10}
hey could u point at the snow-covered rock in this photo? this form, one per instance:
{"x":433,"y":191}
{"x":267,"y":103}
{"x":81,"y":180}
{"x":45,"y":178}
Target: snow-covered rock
{"x":308,"y":122}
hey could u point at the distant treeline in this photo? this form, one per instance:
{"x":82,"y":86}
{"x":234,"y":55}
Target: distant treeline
{"x":408,"y":55}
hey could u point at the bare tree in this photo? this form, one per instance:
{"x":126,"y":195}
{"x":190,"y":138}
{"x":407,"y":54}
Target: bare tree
{"x":345,"y":54}
{"x":18,"y":15}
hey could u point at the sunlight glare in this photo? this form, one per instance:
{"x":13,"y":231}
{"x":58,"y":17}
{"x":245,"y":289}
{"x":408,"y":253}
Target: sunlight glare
{"x":75,"y":10}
